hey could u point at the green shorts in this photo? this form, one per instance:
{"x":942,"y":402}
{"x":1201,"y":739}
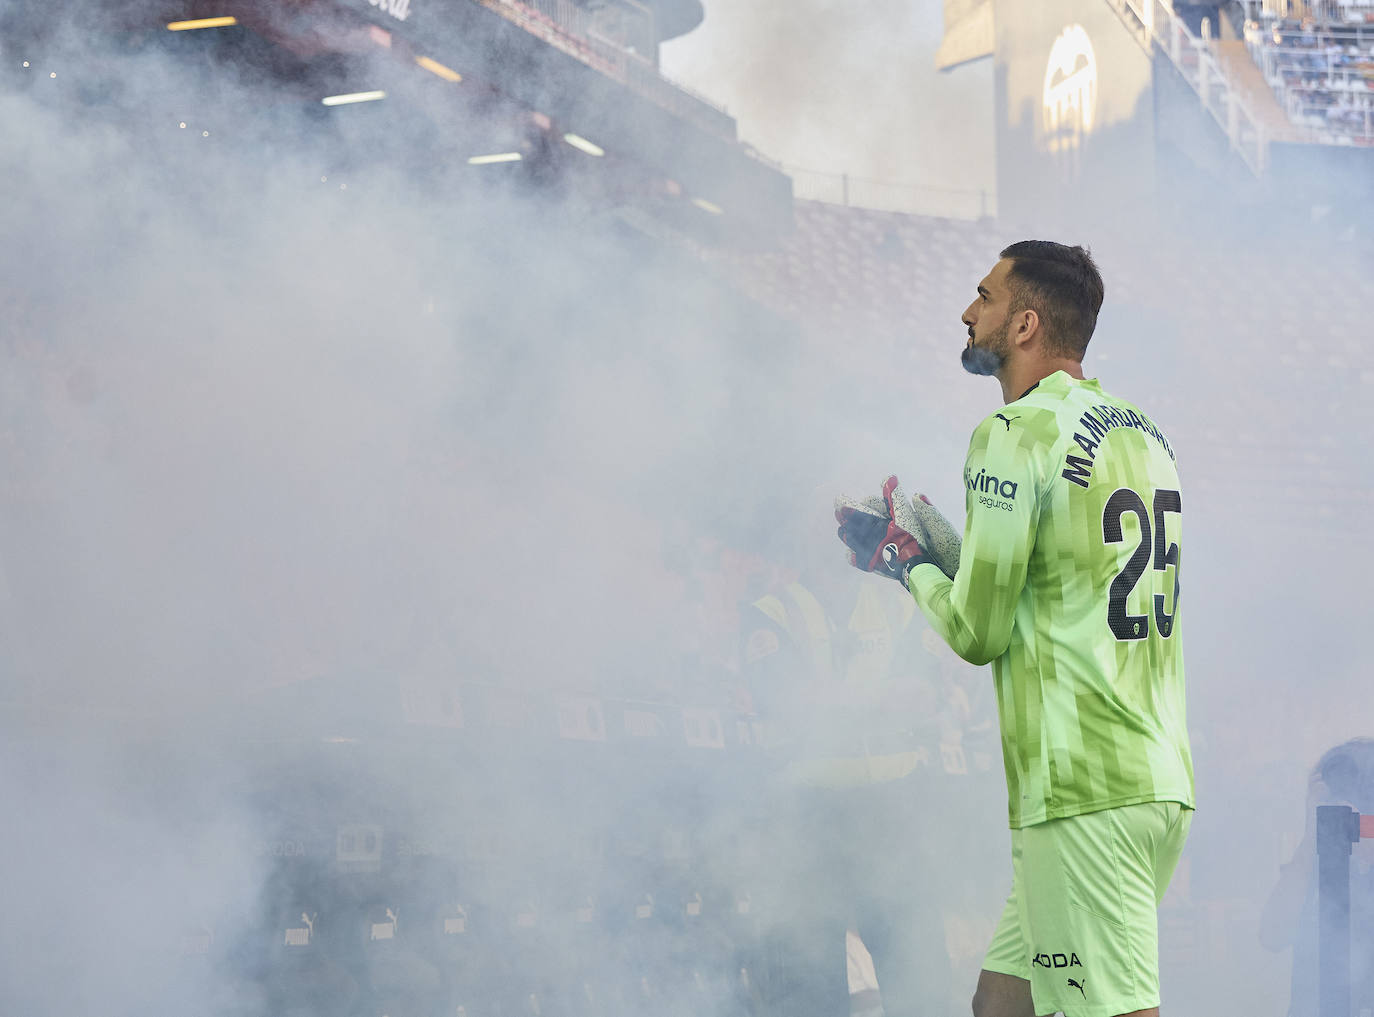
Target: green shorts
{"x":1081,"y":923}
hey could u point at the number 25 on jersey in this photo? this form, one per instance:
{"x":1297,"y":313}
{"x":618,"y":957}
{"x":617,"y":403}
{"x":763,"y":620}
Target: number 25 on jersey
{"x":1152,"y":545}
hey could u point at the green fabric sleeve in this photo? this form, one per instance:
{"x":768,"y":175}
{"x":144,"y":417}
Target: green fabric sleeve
{"x":974,"y":612}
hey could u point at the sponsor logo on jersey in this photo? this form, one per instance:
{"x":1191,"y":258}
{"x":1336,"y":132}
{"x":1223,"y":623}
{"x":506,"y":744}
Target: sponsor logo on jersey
{"x":1097,"y":422}
{"x":1078,"y":984}
{"x":992,"y":491}
{"x":1056,"y":960}
{"x":1006,"y":420}
{"x":986,"y":483}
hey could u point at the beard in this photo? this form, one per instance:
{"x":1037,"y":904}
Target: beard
{"x":988,"y":358}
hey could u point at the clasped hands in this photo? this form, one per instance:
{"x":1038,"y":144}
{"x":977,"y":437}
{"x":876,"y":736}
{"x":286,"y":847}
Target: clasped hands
{"x":890,"y":535}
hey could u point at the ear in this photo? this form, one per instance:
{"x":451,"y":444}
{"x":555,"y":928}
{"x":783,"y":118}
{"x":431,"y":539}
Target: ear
{"x":1027,"y":326}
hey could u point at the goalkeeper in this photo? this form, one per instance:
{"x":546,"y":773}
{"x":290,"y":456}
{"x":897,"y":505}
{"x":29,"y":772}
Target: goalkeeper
{"x":1067,"y":581}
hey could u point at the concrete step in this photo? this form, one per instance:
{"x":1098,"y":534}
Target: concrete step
{"x":1248,"y":81}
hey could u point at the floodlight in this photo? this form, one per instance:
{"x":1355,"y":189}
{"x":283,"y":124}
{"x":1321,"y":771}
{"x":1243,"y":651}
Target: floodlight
{"x":583,"y":145}
{"x":435,"y":67}
{"x":352,"y":97}
{"x":186,"y":26}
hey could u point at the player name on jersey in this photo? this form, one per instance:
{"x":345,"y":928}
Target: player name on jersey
{"x":1097,"y":422}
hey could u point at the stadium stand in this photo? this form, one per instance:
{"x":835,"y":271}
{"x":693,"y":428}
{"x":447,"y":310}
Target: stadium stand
{"x":1321,"y":71}
{"x":886,"y":274}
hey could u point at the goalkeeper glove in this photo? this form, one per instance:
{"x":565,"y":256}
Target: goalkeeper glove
{"x":941,"y":540}
{"x":882,"y":543}
{"x":935,"y":534}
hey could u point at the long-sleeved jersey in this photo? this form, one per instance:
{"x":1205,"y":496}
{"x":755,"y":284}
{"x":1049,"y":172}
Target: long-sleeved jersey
{"x":1068,"y":583}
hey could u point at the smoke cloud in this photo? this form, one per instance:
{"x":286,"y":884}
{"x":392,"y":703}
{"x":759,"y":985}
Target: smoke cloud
{"x":380,"y":538}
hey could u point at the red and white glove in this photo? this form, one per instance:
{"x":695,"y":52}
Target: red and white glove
{"x":936,"y":535}
{"x":887,"y":543}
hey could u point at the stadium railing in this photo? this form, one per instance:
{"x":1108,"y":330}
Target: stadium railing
{"x":570,"y":28}
{"x":625,"y":25}
{"x":1323,"y":75}
{"x":1338,"y":828}
{"x":1330,"y":11}
{"x":1156,"y":24}
{"x":890,"y":195}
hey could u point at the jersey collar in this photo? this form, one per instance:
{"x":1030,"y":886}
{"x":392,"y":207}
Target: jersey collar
{"x":1085,"y":381}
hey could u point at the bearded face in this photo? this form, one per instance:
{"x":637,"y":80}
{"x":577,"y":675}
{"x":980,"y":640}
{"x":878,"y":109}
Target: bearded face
{"x":987,"y":355}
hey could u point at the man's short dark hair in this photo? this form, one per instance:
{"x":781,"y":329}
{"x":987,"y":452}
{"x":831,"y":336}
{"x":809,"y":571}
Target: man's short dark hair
{"x":1061,"y":284}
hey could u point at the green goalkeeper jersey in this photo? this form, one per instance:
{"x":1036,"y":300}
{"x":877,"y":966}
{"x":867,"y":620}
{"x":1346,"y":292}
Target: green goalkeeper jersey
{"x":1068,"y":584}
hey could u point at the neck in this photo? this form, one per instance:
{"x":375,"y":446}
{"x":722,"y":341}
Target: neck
{"x":1017,"y":377}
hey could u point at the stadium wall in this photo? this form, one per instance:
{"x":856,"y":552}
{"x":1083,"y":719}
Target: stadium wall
{"x":1074,"y":105}
{"x":1092,"y":129}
